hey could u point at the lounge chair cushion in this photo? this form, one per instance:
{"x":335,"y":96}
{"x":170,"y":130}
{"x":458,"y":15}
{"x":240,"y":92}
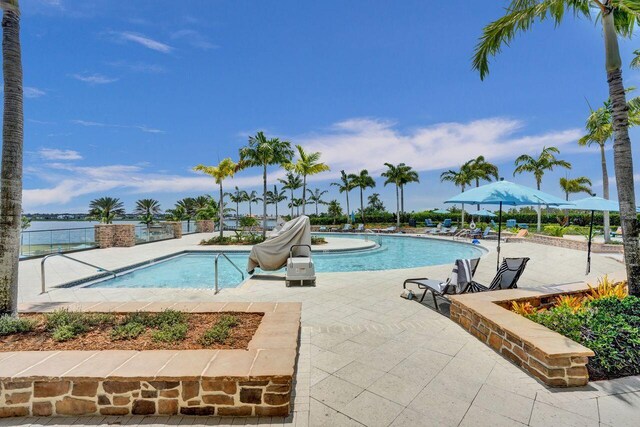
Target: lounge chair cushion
{"x":436,"y":285}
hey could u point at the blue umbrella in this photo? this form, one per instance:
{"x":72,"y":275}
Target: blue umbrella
{"x":506,"y":193}
{"x":441,"y":211}
{"x":592,"y":204}
{"x":484,"y":212}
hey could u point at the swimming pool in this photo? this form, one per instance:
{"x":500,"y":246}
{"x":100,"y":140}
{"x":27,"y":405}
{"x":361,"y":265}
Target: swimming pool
{"x":196,"y":269}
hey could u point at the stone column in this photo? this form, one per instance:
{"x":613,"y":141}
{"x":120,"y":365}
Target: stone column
{"x":115,"y":235}
{"x":176,"y":227}
{"x":205,"y":226}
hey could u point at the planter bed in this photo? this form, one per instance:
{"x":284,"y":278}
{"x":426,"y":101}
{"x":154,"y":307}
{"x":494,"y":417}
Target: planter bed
{"x":254,"y":381}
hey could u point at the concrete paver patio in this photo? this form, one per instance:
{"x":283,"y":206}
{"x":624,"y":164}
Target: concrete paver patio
{"x":369,"y":357}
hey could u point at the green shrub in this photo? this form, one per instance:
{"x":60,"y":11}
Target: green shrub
{"x":170,"y":333}
{"x":13,"y":325}
{"x":608,"y":326}
{"x":65,"y":324}
{"x":127,"y":331}
{"x":166,"y":318}
{"x":220,"y":331}
{"x":67,"y":332}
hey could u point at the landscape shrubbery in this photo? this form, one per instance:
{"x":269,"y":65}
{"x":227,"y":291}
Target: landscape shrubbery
{"x":607,"y":321}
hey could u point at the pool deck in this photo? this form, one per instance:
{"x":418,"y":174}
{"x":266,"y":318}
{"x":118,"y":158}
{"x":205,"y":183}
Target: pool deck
{"x":369,"y":357}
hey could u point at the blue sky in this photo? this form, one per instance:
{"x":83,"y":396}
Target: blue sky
{"x":122,"y":99}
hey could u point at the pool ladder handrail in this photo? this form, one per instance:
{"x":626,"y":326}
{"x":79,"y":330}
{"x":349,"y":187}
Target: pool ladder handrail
{"x":216,"y":268}
{"x":42,"y":268}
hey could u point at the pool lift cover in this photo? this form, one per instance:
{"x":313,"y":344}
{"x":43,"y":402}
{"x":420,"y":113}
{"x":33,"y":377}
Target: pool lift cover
{"x":289,"y":246}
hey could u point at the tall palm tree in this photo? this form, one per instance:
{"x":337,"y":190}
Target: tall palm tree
{"x":374,"y":204}
{"x":407,"y":176}
{"x":178,"y":213}
{"x":363,"y":181}
{"x":264,"y":152}
{"x":481,"y":170}
{"x":345,"y":185}
{"x":274,"y":197}
{"x":334,"y":210}
{"x":237,"y":197}
{"x":460,"y":178}
{"x":546,"y":161}
{"x":190,"y":207}
{"x":315,"y":197}
{"x":581,"y":184}
{"x":105,"y":209}
{"x":618,"y":17}
{"x":225,"y":169}
{"x":393,"y":175}
{"x":296,"y":202}
{"x":599,"y":128}
{"x":307,"y":164}
{"x":251,"y":198}
{"x":292,"y":183}
{"x":147,"y":209}
{"x":11,"y":168}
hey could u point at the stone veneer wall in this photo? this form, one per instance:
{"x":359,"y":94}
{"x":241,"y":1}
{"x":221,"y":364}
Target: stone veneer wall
{"x":115,"y":235}
{"x":205,"y":226}
{"x":211,"y":396}
{"x":565,"y":369}
{"x":574,"y":244}
{"x":176,"y":227}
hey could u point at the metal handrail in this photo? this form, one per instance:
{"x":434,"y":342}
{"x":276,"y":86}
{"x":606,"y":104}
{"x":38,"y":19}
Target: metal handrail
{"x":216,"y":268}
{"x":42,"y":269}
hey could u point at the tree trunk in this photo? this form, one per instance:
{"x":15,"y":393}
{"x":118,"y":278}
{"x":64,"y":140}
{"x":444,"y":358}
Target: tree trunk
{"x":264,"y":202}
{"x":362,"y":203}
{"x":221,"y":211}
{"x":478,"y":185}
{"x":348,"y":210}
{"x":276,"y":210}
{"x":316,"y":208}
{"x":623,"y":162}
{"x":402,"y":199}
{"x":605,"y":194}
{"x":397,"y":205}
{"x":462,"y":213}
{"x":292,"y":203}
{"x":304,"y":193}
{"x":539,"y":210}
{"x":11,"y":174}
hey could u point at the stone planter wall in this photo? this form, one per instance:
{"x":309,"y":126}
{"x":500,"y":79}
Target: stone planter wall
{"x":176,"y":227}
{"x":115,"y":235}
{"x":554,"y":359}
{"x":205,"y":226}
{"x":574,"y":244}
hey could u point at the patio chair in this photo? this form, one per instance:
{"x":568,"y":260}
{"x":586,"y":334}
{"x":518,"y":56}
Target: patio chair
{"x":322,"y":228}
{"x":507,"y":276}
{"x":450,"y":232}
{"x":458,"y":283}
{"x":429,"y":223}
{"x":488,"y":233}
{"x":347,"y":227}
{"x":360,"y":228}
{"x":511,"y":223}
{"x":446,"y":223}
{"x":391,"y":229}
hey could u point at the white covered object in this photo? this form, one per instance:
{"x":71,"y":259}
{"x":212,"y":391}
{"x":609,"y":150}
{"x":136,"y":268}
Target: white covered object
{"x":272,"y":254}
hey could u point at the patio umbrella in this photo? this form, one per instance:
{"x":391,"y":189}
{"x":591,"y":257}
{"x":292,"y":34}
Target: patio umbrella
{"x":593,"y":204}
{"x":441,"y":211}
{"x":484,"y":212}
{"x":506,"y":193}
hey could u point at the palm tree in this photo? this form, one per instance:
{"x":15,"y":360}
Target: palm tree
{"x":264,"y":152}
{"x":251,"y":198}
{"x":599,"y":130}
{"x":481,"y":170}
{"x":618,"y":18}
{"x":307,"y":164}
{"x":292,"y":183}
{"x":209,"y":210}
{"x":105,"y":209}
{"x":546,"y":161}
{"x":296,"y":203}
{"x":394,"y":176}
{"x":225,"y":169}
{"x":274,"y":197}
{"x":11,"y":168}
{"x":460,"y":178}
{"x":577,"y":185}
{"x":315,"y":197}
{"x":374,"y":204}
{"x":237,"y":197}
{"x":177,"y":214}
{"x":334,"y":210}
{"x":189,"y":206}
{"x":363,"y":181}
{"x":147,"y":209}
{"x":345,"y":185}
{"x":407,"y":176}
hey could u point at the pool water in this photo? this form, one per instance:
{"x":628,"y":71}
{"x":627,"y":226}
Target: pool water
{"x":196,"y":270}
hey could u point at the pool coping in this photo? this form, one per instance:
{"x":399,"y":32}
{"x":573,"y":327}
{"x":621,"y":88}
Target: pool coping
{"x":236,"y":382}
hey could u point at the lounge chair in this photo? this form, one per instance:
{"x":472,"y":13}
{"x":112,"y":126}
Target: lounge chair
{"x":391,"y":229}
{"x":488,"y":233}
{"x":347,"y":227}
{"x":507,"y":276}
{"x":428,"y":223}
{"x":360,"y":228}
{"x":511,"y":223}
{"x":322,"y":228}
{"x":458,"y":283}
{"x":446,"y":223}
{"x":450,"y":232}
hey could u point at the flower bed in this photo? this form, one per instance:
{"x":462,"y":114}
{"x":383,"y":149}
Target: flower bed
{"x":605,"y":320}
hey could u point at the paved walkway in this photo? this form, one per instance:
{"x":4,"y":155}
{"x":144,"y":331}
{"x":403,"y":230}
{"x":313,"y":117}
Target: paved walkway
{"x":371,"y":358}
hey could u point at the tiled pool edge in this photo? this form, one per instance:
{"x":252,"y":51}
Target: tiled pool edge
{"x":253,"y":382}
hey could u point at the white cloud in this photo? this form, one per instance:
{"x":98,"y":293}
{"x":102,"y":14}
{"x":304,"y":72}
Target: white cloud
{"x":33,"y":92}
{"x":94,"y":79}
{"x":56,"y":154}
{"x":143,"y":128}
{"x":194,"y":38}
{"x":145,"y":41}
{"x":364,"y":143}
